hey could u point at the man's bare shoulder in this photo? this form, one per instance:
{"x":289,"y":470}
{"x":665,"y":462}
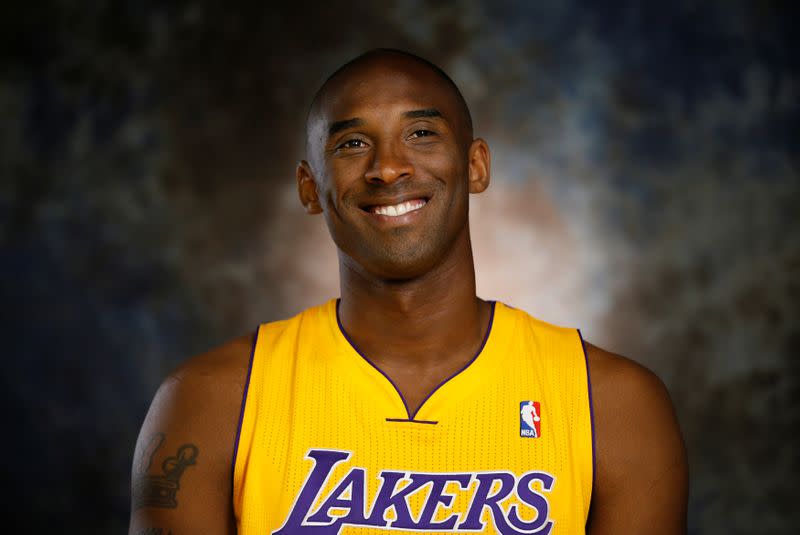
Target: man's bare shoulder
{"x":202,"y":396}
{"x":623,"y":377}
{"x":224,"y":366}
{"x":213,"y":380}
{"x":631,"y":403}
{"x":641,"y":457}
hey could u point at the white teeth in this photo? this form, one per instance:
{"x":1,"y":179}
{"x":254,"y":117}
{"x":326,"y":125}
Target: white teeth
{"x":399,"y":209}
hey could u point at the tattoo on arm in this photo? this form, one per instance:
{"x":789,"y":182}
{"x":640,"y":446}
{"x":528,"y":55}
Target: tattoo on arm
{"x":160,"y":490}
{"x":146,"y":455}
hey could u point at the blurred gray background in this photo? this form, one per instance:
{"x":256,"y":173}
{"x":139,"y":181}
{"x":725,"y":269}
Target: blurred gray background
{"x":645,"y":189}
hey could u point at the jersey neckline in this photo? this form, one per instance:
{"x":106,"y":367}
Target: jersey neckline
{"x":469,"y":364}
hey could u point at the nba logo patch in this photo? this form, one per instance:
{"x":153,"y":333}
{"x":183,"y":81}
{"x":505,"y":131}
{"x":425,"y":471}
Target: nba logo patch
{"x":530,"y":419}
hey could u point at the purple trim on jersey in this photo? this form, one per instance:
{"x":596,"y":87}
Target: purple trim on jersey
{"x":405,"y":404}
{"x":241,"y":412}
{"x":591,"y":408}
{"x":407,"y":421}
{"x":478,"y":352}
{"x":363,"y":356}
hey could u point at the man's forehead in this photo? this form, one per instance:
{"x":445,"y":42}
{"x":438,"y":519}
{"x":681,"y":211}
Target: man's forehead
{"x":385,"y":90}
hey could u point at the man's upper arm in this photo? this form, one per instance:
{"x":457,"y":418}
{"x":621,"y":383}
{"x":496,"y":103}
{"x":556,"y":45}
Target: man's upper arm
{"x":181,"y":474}
{"x":641,"y":485}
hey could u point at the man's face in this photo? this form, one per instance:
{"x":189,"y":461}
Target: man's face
{"x":391,"y":161}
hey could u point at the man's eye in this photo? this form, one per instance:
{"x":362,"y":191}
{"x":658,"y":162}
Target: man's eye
{"x":422,"y":133}
{"x":352,"y":144}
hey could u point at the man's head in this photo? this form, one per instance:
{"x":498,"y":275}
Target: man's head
{"x":391,"y":161}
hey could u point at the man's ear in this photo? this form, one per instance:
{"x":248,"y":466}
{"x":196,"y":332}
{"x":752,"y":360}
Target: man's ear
{"x":480,"y":160}
{"x":307,"y":188}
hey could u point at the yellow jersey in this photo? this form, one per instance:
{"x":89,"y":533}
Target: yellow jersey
{"x":326,"y":444}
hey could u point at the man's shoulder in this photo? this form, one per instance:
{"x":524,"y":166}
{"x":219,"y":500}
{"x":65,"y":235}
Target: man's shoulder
{"x":639,"y":447}
{"x":625,"y":392}
{"x":535,"y":323}
{"x":610,"y":369}
{"x":221,"y":363}
{"x":200,"y":399}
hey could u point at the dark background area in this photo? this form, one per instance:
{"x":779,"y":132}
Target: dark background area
{"x":645,"y":188}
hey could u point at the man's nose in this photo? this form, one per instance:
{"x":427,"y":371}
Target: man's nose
{"x":389,"y":163}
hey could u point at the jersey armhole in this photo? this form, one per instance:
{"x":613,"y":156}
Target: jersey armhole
{"x":245,"y":390}
{"x":591,"y":414}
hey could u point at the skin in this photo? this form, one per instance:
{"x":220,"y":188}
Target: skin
{"x":415,"y":276}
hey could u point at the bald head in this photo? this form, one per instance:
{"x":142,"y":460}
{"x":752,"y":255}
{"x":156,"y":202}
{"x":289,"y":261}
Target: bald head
{"x":365,"y":68}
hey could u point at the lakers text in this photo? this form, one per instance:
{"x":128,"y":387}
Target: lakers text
{"x":348,"y":500}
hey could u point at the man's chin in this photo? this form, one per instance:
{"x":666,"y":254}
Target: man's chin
{"x":398,"y":266}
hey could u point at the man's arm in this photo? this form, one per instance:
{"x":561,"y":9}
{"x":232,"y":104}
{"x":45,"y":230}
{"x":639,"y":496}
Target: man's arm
{"x":641,"y":483}
{"x":181,"y":476}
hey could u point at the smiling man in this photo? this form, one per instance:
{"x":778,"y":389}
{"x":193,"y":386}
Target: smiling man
{"x":409,"y":404}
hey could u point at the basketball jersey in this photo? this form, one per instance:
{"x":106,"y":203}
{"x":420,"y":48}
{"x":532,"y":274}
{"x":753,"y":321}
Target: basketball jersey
{"x":326,"y":444}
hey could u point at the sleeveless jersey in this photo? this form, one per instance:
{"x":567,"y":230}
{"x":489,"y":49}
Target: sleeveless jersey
{"x":326,"y":444}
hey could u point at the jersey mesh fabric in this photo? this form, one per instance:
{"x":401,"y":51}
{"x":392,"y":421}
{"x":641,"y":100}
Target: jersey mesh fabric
{"x":311,"y":391}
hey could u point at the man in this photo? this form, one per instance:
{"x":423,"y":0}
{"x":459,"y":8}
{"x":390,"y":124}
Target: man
{"x":408,"y":404}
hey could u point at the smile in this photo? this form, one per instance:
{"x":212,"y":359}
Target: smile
{"x":396,"y":210}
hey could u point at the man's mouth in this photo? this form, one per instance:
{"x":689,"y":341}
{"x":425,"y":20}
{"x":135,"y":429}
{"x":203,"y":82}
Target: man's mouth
{"x":395,"y":210}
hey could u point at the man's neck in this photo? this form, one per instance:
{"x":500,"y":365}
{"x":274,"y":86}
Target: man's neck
{"x":431,"y":321}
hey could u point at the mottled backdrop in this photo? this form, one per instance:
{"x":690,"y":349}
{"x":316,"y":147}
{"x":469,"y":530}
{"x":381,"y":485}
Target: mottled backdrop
{"x":645,"y":189}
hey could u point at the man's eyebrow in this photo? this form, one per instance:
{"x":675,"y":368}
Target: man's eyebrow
{"x":428,"y":112}
{"x":338,"y":126}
